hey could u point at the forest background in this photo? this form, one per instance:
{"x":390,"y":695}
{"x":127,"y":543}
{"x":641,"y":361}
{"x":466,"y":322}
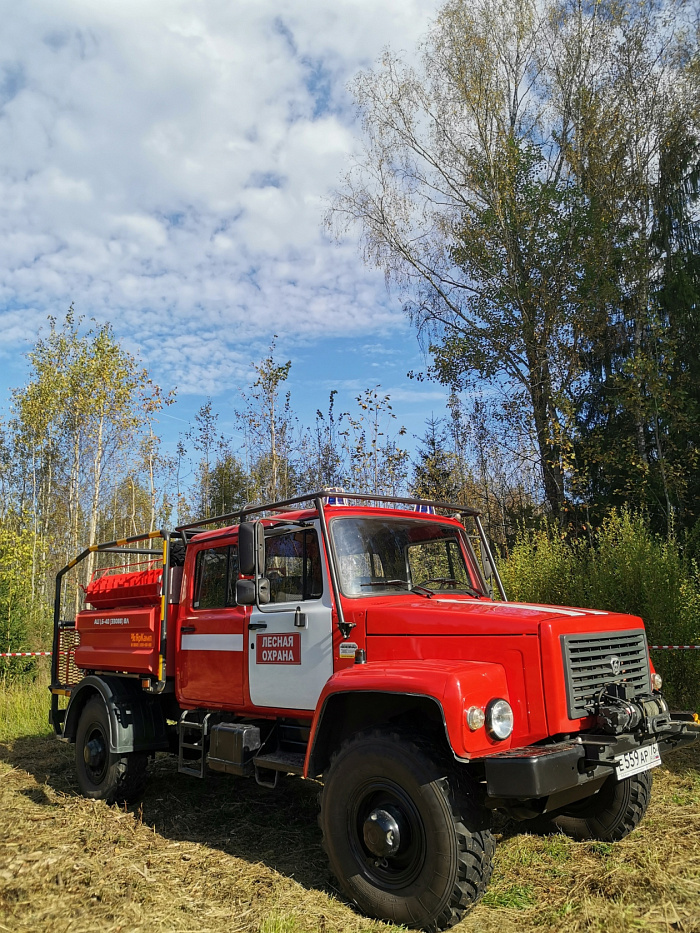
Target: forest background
{"x":531,"y":192}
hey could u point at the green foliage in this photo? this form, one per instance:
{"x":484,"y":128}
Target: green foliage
{"x":322,"y":452}
{"x":268,"y":426}
{"x":621,"y":567}
{"x":436,"y":472}
{"x":24,"y":708}
{"x":78,"y":463}
{"x":637,"y":420}
{"x":531,"y":192}
{"x":221,"y":483}
{"x":24,"y":620}
{"x":375,"y":461}
{"x":228,"y":485}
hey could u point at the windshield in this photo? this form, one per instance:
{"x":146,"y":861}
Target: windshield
{"x":385,"y":555}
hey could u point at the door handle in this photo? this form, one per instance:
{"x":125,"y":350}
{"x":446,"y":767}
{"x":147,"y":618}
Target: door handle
{"x":187,"y":628}
{"x":253,"y":626}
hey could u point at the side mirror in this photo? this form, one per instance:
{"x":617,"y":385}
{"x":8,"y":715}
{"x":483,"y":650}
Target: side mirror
{"x":246,"y":591}
{"x":251,"y":543}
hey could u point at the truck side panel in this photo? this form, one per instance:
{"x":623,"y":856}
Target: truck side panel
{"x":119,"y":640}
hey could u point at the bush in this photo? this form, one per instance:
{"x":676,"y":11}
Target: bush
{"x":25,"y":617}
{"x":24,"y":708}
{"x":622,"y":567}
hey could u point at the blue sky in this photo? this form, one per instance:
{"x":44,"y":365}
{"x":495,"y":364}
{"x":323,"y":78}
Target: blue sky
{"x":166,"y":167}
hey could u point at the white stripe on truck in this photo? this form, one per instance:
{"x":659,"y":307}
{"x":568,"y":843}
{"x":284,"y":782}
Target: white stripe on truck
{"x":212,"y":643}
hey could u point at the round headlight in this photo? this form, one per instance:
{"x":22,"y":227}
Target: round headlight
{"x":656,"y":681}
{"x":499,"y":719}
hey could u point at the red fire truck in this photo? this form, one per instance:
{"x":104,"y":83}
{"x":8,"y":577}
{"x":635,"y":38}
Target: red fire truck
{"x":356,"y":638}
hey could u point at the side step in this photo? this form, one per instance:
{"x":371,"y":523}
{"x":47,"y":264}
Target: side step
{"x":192,"y":735}
{"x":276,"y":763}
{"x":230,"y":748}
{"x":286,"y":762}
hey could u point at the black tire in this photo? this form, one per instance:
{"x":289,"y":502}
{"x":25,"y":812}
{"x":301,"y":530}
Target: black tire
{"x":103,"y":775}
{"x":611,"y":813}
{"x":380,"y":786}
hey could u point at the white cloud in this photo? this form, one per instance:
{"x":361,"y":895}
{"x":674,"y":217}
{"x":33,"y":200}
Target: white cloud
{"x":165,"y":167}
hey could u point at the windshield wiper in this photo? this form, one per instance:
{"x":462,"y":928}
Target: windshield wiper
{"x":413,"y":588}
{"x":465,"y":586}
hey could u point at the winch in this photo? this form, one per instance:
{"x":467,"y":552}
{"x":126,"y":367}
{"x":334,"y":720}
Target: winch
{"x":618,"y":710}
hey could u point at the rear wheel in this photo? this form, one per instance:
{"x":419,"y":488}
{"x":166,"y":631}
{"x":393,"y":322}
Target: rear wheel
{"x":611,"y":813}
{"x":103,"y":775}
{"x":404,"y":843}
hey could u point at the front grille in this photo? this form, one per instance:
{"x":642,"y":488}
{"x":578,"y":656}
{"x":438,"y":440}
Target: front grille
{"x":589,"y":663}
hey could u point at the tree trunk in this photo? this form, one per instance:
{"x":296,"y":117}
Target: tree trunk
{"x":97,"y":478}
{"x":546,"y":424}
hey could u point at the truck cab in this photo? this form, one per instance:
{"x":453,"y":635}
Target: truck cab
{"x":367,"y":642}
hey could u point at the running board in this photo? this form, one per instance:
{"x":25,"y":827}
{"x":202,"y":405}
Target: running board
{"x":286,"y":762}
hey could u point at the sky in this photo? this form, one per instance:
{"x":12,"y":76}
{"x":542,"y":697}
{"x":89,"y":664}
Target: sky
{"x":166,"y":167}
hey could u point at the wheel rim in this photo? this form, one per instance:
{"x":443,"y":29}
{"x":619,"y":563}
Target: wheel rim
{"x":95,"y":753}
{"x":387,"y":834}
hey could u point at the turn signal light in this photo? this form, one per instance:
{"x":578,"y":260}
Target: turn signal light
{"x":475,"y":717}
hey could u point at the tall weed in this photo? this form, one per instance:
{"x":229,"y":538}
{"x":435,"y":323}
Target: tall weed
{"x":24,"y":708}
{"x":622,"y":567}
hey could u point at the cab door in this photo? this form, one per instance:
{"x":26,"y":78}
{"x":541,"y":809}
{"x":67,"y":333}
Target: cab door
{"x":290,"y":644}
{"x":210,"y":669}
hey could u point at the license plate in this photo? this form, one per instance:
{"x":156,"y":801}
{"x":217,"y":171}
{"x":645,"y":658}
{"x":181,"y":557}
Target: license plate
{"x":638,"y":760}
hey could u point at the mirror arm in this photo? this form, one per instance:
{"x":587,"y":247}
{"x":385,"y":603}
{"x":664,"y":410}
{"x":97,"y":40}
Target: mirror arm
{"x":489,"y":556}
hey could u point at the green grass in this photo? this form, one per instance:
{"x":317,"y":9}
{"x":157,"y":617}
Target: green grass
{"x":24,"y":709}
{"x":280,"y":923}
{"x":516,"y":896}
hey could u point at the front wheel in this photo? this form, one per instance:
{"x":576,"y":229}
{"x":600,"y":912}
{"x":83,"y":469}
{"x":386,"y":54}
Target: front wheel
{"x":611,"y":813}
{"x":404,"y":843}
{"x":103,"y":775}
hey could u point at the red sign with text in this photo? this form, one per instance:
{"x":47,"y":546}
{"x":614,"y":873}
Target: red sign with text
{"x":279,"y":649}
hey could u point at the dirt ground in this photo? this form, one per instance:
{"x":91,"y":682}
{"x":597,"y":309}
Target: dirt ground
{"x":226,"y":855}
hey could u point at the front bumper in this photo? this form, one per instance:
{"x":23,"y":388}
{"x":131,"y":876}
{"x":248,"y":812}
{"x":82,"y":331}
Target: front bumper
{"x":539,"y":771}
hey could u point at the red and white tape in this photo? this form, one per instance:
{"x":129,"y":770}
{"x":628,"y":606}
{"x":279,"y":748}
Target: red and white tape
{"x":675,"y":647}
{"x":27,"y":654}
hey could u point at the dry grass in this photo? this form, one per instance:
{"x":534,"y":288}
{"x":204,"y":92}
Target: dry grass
{"x":227,"y":855}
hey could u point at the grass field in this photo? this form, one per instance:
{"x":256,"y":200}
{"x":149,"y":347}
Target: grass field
{"x":227,"y":855}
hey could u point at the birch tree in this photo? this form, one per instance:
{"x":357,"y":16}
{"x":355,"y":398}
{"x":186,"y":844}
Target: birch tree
{"x":376,"y":462}
{"x":268,"y":426}
{"x":80,"y":420}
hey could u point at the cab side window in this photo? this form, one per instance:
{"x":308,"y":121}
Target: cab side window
{"x":216,"y":570}
{"x":293,"y":567}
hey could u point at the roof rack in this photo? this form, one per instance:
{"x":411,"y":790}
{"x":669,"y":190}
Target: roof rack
{"x":317,"y":500}
{"x":314,"y":497}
